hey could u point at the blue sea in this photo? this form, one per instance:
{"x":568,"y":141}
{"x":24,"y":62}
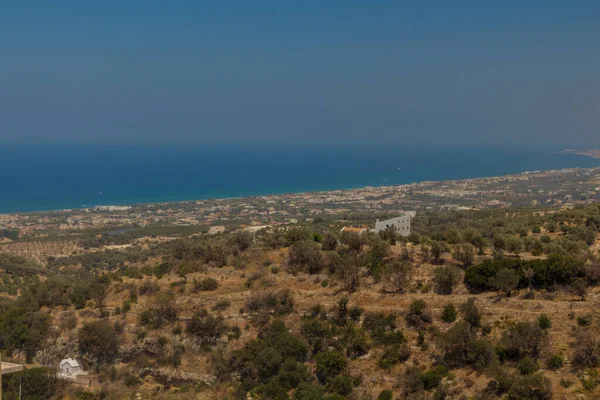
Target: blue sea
{"x":37,"y":178}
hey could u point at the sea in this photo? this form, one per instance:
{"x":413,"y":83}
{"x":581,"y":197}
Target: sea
{"x":55,"y":177}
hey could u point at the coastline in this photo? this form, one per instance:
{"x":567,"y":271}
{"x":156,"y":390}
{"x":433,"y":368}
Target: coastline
{"x":266,"y":196}
{"x":84,"y":177}
{"x":593,"y":153}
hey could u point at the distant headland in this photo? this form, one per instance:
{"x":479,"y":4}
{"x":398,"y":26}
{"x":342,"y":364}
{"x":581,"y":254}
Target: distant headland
{"x":594,"y":153}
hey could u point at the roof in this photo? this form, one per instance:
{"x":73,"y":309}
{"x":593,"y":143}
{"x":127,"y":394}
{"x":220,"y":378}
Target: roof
{"x":9,"y":368}
{"x":71,"y":362}
{"x":353,"y":229}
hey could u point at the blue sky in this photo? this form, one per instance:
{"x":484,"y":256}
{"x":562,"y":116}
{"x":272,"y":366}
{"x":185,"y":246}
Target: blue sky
{"x":309,"y":72}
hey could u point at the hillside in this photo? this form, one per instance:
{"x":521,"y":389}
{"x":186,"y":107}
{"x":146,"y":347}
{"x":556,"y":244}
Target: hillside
{"x":477,"y":304}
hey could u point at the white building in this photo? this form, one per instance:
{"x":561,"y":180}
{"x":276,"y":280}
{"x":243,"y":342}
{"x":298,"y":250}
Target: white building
{"x":70,"y":367}
{"x":401,"y":223}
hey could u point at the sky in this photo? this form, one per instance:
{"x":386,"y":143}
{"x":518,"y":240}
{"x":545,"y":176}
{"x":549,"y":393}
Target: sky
{"x":300,"y":72}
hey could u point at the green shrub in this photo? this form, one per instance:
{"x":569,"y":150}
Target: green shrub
{"x":531,"y":387}
{"x":385,"y":395}
{"x":329,"y":365}
{"x":544,"y":322}
{"x":527,"y":365}
{"x":393,"y":355}
{"x":555,"y":361}
{"x":418,"y":315}
{"x":586,"y":320}
{"x":206,"y":285}
{"x":566,"y":383}
{"x":341,"y":384}
{"x":432,"y":378}
{"x":449,"y":313}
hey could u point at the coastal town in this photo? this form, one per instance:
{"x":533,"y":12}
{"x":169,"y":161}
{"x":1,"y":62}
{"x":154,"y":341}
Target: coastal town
{"x":554,"y":188}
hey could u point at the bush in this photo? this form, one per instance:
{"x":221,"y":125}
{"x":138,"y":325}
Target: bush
{"x":305,"y":256}
{"x":393,"y":355}
{"x":544,"y":321}
{"x":329,"y":365}
{"x":418,"y":315}
{"x":205,"y":328}
{"x":278,"y":303}
{"x":555,"y":361}
{"x":307,"y":391}
{"x":524,"y":339}
{"x":531,"y":387}
{"x":275,"y":353}
{"x":385,"y":395}
{"x":586,"y":352}
{"x":460,"y":347}
{"x":527,"y":366}
{"x":432,"y":378}
{"x":205,"y":285}
{"x":449,"y":313}
{"x":586,"y":320}
{"x":341,"y":384}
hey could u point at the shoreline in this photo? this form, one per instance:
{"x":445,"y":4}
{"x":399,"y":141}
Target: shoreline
{"x":124,"y":206}
{"x":593,"y":153}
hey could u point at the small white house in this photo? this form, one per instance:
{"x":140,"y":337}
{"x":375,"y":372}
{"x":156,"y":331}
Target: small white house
{"x":70,"y":367}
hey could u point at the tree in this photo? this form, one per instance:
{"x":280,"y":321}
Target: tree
{"x":353,"y":240}
{"x":32,"y":384}
{"x":499,"y":243}
{"x":449,"y":313}
{"x":464,"y":253}
{"x":471,"y":312}
{"x":445,"y":279}
{"x":348,"y":272}
{"x":514,"y":245}
{"x":580,"y":288}
{"x":304,"y":255}
{"x":297,"y":234}
{"x":480,"y":243}
{"x":375,"y":257}
{"x":524,"y":338}
{"x":330,"y":242}
{"x":437,"y":250}
{"x":241,"y":240}
{"x":586,"y":352}
{"x":506,"y":280}
{"x":389,"y":234}
{"x":399,"y":275}
{"x":529,"y":274}
{"x":99,"y":342}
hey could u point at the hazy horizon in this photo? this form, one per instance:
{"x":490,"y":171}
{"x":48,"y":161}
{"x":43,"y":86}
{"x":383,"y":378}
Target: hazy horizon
{"x":266,"y":72}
